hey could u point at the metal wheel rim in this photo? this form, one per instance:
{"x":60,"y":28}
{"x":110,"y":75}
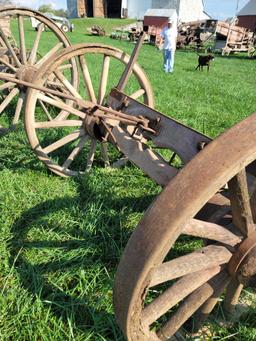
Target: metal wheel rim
{"x":163,"y":222}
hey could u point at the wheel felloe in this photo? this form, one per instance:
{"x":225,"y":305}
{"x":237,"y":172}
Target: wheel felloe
{"x":165,"y":289}
{"x":20,"y":62}
{"x":73,"y":121}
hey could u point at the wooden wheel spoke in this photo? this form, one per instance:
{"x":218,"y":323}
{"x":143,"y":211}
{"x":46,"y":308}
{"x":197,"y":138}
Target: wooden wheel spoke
{"x":60,"y":105}
{"x":33,"y":54}
{"x":205,"y":258}
{"x":22,"y":40}
{"x":58,"y":124}
{"x":7,"y":85}
{"x":232,"y":295}
{"x":104,"y":152}
{"x":10,"y":75}
{"x":209,"y":305}
{"x":137,"y":94}
{"x":10,"y":48}
{"x":8,"y":99}
{"x":65,"y":67}
{"x":49,"y":54}
{"x":87,"y":79}
{"x":240,"y":203}
{"x":43,"y":106}
{"x":91,"y":154}
{"x":11,"y":67}
{"x":191,"y":305}
{"x":2,"y":43}
{"x":177,"y":292}
{"x":18,"y":110}
{"x":54,"y":84}
{"x":63,"y":115}
{"x":67,"y":84}
{"x":203,"y":229}
{"x":104,"y":79}
{"x":56,"y":98}
{"x":75,"y":152}
{"x":63,"y":141}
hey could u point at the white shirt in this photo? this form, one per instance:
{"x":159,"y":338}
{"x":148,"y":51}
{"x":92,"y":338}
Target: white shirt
{"x":169,"y":35}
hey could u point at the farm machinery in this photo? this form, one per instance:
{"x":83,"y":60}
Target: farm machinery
{"x":224,"y":36}
{"x":232,"y":38}
{"x":209,"y":192}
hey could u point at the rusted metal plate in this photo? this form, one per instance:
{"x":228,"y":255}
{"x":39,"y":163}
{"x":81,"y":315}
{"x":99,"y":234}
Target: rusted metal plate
{"x":145,"y":158}
{"x":170,"y":134}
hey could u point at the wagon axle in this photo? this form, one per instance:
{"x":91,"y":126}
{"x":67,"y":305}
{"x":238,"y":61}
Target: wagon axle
{"x":99,"y":122}
{"x":156,"y":292}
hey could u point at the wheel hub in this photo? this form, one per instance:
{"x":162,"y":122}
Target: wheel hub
{"x":26,"y":73}
{"x":242,"y":265}
{"x":91,"y":125}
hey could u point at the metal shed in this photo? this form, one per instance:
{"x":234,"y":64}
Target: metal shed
{"x":159,"y":17}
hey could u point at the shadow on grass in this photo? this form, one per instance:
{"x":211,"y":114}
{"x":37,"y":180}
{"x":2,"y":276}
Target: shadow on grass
{"x":191,"y":69}
{"x":16,"y":153}
{"x":44,"y":259}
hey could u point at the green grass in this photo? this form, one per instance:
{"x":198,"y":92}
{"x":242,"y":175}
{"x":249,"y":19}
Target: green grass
{"x":109,"y":25}
{"x":61,"y":239}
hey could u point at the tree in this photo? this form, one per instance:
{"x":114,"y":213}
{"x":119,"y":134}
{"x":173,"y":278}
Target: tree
{"x":49,"y":9}
{"x":60,"y":12}
{"x":46,"y":8}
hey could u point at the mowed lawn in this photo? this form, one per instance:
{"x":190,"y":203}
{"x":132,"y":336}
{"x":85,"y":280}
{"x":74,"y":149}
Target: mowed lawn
{"x":62,"y":239}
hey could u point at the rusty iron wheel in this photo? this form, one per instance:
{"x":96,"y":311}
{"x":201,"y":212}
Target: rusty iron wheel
{"x":160,"y":290}
{"x":94,"y":60}
{"x":19,"y":59}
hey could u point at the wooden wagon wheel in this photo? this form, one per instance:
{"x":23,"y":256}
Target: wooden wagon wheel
{"x":158,"y":290}
{"x":100,"y":67}
{"x":21,"y":56}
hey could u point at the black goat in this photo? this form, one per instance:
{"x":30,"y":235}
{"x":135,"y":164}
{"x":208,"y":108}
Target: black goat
{"x":204,"y":61}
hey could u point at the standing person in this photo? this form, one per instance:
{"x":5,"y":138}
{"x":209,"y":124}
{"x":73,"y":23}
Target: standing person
{"x":168,"y":39}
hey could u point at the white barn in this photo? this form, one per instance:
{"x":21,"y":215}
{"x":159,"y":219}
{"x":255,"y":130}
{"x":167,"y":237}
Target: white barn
{"x":187,"y":10}
{"x":135,"y":9}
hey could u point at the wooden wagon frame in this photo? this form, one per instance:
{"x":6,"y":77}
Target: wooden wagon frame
{"x":236,"y":38}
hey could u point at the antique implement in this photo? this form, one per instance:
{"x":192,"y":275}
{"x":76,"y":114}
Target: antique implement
{"x":211,"y":200}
